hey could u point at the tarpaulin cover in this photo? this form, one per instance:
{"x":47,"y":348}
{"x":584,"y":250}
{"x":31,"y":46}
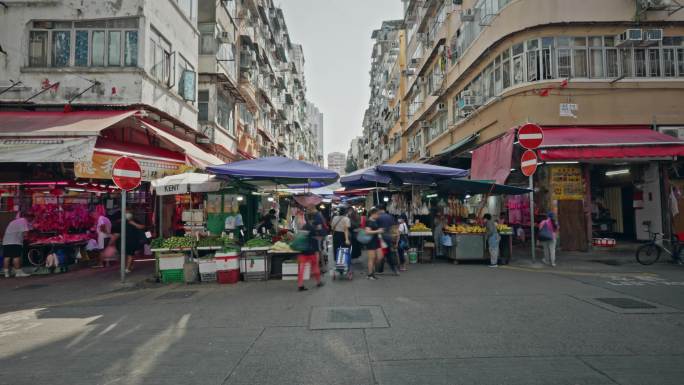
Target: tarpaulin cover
{"x":577,"y":143}
{"x":195,"y":154}
{"x":275,"y":168}
{"x":492,"y":161}
{"x":465,"y":186}
{"x":50,"y":123}
{"x":419,"y":173}
{"x":367,"y":177}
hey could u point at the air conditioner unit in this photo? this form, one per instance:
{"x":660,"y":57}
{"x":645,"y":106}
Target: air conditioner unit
{"x":468,"y":14}
{"x":424,"y":124}
{"x":441,"y":107}
{"x":655,"y":4}
{"x":654,"y":36}
{"x":469,"y":103}
{"x":675,"y":132}
{"x":629,"y":38}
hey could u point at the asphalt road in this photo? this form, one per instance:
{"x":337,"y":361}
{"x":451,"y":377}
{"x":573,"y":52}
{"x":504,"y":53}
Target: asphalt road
{"x":435,"y":324}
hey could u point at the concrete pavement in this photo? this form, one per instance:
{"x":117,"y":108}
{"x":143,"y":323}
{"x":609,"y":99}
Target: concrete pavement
{"x":437,"y":324}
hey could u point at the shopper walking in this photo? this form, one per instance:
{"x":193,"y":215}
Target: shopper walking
{"x":103,"y":227}
{"x":13,"y":245}
{"x":385,"y":251}
{"x":403,"y":242}
{"x":548,"y":230}
{"x":437,"y":233}
{"x":493,"y":238}
{"x":341,"y":228}
{"x":374,"y":230}
{"x":309,"y":246}
{"x":355,"y":225}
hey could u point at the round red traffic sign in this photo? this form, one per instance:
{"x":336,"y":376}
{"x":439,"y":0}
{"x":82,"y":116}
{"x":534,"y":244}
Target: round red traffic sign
{"x":530,"y":136}
{"x":528,"y":163}
{"x":126,"y":173}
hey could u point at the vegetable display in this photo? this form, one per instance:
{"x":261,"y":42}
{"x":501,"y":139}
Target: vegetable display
{"x":420,"y":227}
{"x":282,"y":247}
{"x":210,"y":242}
{"x":257,"y":242}
{"x":157,"y":243}
{"x":178,"y":243}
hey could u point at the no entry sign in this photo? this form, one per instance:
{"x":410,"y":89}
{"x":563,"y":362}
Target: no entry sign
{"x":530,"y":136}
{"x":126,"y":173}
{"x":528,"y":163}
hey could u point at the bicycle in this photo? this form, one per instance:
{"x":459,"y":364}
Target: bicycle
{"x":649,"y":253}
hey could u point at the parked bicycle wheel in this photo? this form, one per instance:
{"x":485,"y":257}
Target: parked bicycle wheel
{"x":648,"y":254}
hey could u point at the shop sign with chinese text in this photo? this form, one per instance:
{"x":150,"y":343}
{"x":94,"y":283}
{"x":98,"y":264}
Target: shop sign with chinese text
{"x":566,"y":183}
{"x":101,"y":167}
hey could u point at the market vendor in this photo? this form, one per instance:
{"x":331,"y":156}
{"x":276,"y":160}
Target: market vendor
{"x":13,"y":244}
{"x":267,"y":226}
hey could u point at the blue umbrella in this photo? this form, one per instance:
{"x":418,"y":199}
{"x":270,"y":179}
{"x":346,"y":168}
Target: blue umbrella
{"x":365,"y":178}
{"x":275,"y":168}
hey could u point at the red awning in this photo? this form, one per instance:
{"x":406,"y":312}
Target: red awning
{"x":48,"y":123}
{"x":607,"y":142}
{"x":492,"y":161}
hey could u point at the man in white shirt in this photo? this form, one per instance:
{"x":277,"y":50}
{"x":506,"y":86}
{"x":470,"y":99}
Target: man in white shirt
{"x":13,"y":245}
{"x":103,"y":227}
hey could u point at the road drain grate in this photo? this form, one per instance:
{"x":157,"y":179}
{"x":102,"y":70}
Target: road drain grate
{"x":626,"y":303}
{"x":350,"y":315}
{"x":347,"y":317}
{"x":180,"y":294}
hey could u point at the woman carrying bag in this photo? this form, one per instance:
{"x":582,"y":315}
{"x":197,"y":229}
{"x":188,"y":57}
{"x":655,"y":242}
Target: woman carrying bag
{"x":548,"y":229}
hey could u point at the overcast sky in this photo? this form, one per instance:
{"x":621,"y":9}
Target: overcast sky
{"x":336,"y":37}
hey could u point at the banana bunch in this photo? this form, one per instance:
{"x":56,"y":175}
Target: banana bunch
{"x":504,"y":229}
{"x":465,"y":229}
{"x":420,"y":227}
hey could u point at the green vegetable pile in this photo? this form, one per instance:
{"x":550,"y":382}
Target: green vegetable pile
{"x":258,"y":242}
{"x":210,"y":241}
{"x":178,"y":242}
{"x":227,"y":242}
{"x":157,"y":243}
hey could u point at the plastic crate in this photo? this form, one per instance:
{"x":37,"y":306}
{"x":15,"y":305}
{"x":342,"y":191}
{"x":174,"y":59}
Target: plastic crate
{"x":172,"y":275}
{"x":208,"y":277}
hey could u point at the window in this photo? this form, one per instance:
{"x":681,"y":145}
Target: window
{"x":547,"y":58}
{"x":626,"y":60}
{"x":654,"y":62}
{"x":61,"y":48}
{"x":114,"y":48}
{"x":579,"y":58}
{"x":669,"y":60}
{"x":38,"y":48}
{"x":533,"y":66}
{"x":98,"y":59}
{"x":639,"y":62}
{"x":96,"y":43}
{"x":596,"y":63}
{"x":498,"y":86}
{"x":612,"y":69}
{"x":161,"y":59}
{"x":131,"y":49}
{"x":225,"y":115}
{"x":203,"y":105}
{"x":454,"y":109}
{"x":680,"y":61}
{"x":564,"y":63}
{"x":506,"y":69}
{"x":186,"y":79}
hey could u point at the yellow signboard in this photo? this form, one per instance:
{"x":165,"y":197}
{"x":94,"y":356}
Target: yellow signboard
{"x":100,"y":167}
{"x":566,"y":183}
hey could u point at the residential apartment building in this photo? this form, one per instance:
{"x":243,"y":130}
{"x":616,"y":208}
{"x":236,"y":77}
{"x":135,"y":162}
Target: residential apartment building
{"x":221,"y":76}
{"x":337,"y":162}
{"x":585,"y":71}
{"x":316,"y":121}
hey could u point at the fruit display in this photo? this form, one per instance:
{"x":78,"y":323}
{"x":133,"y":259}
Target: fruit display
{"x":419,"y":228}
{"x":504,"y":229}
{"x":157,"y":243}
{"x":282,"y":247}
{"x":258,"y":242}
{"x":465,"y":229}
{"x":178,"y":243}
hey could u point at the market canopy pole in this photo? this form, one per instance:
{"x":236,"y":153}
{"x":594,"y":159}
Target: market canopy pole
{"x":127,"y":175}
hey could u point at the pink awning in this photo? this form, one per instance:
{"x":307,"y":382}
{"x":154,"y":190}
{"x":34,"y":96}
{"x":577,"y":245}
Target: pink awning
{"x":492,"y":161}
{"x":607,"y":142}
{"x":62,"y":124}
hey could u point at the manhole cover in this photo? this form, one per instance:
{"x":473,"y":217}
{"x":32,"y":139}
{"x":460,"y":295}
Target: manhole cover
{"x":626,"y":303}
{"x":31,"y":287}
{"x":180,"y":294}
{"x":350,"y":315}
{"x":347,"y":317}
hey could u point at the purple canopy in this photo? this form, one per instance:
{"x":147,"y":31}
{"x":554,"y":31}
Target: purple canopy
{"x":275,"y":168}
{"x":367,"y":177}
{"x":419,"y":173}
